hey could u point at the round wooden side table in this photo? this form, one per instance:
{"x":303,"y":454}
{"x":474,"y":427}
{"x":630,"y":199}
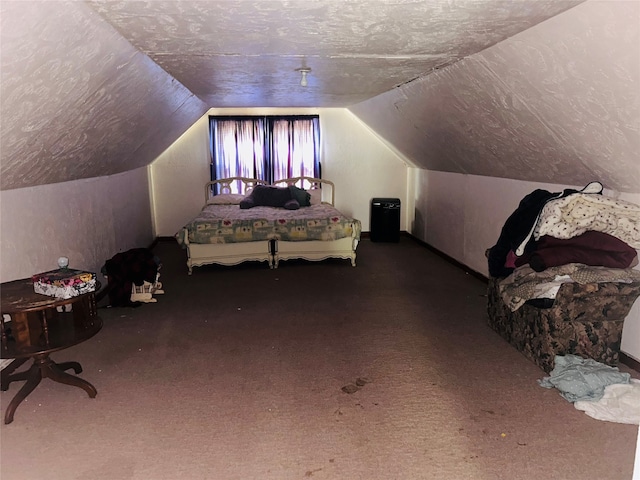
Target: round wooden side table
{"x":32,"y":327}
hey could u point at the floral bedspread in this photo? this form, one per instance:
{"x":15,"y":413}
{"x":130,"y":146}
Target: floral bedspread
{"x":230,"y":224}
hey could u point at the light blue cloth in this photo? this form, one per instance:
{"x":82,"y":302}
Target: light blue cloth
{"x":582,"y":379}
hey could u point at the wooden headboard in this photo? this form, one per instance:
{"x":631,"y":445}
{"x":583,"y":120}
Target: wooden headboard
{"x":243,"y":185}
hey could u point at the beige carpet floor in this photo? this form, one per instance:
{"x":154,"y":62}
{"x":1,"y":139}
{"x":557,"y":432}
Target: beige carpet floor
{"x":238,"y":373}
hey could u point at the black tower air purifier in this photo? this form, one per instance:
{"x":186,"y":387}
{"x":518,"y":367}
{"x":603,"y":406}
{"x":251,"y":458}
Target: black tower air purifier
{"x":385,"y":220}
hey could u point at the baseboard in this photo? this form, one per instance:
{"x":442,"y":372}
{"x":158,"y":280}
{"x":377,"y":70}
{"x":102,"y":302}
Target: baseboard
{"x":160,"y":239}
{"x":450,"y":259}
{"x":163,"y":239}
{"x":630,"y":362}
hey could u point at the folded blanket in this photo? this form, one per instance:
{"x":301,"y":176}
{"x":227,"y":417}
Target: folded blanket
{"x":574,"y":215}
{"x":590,"y":248}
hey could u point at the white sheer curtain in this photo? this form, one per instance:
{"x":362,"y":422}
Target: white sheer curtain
{"x":294,"y":149}
{"x":266,"y":148}
{"x":239,"y":149}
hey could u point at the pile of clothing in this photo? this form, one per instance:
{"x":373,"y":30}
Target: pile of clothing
{"x":573,"y":226}
{"x":127,"y":270}
{"x":551,"y":237}
{"x":601,"y":391}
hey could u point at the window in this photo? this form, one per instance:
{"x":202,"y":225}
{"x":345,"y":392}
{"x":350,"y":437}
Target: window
{"x":267,"y":148}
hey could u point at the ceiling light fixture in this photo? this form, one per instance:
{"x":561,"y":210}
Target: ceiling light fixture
{"x":303,"y":71}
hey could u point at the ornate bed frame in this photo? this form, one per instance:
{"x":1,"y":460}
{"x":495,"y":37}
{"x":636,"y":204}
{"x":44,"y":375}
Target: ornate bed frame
{"x":274,"y":250}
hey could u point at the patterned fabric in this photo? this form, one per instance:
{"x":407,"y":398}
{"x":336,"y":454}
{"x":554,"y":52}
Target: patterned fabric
{"x":64,"y":283}
{"x":517,"y":232}
{"x":574,"y":215}
{"x":585,"y":320}
{"x":230,"y":224}
{"x":525,"y":283}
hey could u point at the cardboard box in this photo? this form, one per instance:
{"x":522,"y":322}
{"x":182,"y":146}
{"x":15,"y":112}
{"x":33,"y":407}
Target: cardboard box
{"x":64,"y":283}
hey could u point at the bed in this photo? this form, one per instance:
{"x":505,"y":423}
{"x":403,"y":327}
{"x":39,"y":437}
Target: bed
{"x":225,"y":234}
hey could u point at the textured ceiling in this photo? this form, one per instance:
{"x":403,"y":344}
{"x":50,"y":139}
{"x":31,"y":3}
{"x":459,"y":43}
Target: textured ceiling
{"x":558,"y":103}
{"x":78,"y":100}
{"x":244,"y":53}
{"x":93,"y":88}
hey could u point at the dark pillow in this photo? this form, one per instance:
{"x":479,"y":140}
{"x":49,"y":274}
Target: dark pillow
{"x":292,"y":204}
{"x":268,"y":196}
{"x":302,"y":196}
{"x":247,"y":202}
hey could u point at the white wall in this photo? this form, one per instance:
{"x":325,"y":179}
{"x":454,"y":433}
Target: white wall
{"x":358,"y":162}
{"x":462,"y":216}
{"x":178,"y":177}
{"x":87,"y":220}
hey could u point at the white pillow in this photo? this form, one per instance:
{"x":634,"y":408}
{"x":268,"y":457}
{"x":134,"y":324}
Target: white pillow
{"x":316,"y":196}
{"x":226,"y":199}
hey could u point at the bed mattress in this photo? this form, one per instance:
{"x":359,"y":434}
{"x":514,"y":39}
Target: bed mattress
{"x":218,"y":224}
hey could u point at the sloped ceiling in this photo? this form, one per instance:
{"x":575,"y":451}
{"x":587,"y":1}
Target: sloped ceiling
{"x":100,"y":87}
{"x":559,"y":103}
{"x":78,"y":100}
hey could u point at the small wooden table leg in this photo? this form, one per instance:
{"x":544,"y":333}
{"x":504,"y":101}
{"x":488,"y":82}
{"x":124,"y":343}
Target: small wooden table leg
{"x":6,"y":376}
{"x":33,"y":379}
{"x":44,"y":367}
{"x":51,"y":370}
{"x":69,"y":365}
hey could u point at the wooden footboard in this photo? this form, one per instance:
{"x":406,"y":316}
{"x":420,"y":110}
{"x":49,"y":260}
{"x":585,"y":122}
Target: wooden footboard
{"x":227,"y":254}
{"x":236,"y":253}
{"x":316,"y":250}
